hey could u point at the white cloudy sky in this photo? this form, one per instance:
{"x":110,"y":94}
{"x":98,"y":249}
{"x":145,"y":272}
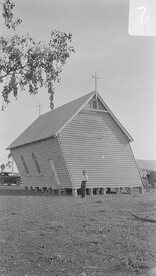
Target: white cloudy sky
{"x":125,"y":64}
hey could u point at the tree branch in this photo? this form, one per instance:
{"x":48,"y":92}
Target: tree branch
{"x":14,"y":71}
{"x":143,"y":219}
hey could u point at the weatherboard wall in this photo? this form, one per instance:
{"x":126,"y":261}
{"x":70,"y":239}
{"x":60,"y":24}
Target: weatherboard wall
{"x":93,"y":141}
{"x":44,"y":151}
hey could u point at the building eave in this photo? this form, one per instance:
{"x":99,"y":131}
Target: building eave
{"x":33,"y":142}
{"x":116,"y":120}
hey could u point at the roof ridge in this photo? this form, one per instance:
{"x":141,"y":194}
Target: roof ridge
{"x":67,"y":103}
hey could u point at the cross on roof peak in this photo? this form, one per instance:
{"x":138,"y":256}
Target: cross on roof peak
{"x":96,"y":78}
{"x":39,"y":107}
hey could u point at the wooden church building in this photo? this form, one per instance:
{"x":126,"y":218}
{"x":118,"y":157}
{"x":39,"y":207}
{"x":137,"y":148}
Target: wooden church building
{"x":82,"y":134}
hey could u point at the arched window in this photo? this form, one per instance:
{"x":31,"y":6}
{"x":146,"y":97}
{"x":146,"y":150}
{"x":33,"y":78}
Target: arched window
{"x":36,"y":163}
{"x":25,"y":165}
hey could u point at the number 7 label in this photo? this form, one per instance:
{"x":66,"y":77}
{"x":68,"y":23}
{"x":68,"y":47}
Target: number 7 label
{"x":142,"y":17}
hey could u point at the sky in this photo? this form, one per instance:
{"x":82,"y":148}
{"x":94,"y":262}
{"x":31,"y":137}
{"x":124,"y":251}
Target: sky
{"x":125,"y":64}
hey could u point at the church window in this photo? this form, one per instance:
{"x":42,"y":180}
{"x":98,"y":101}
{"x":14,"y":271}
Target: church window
{"x":36,"y":163}
{"x":25,"y":165}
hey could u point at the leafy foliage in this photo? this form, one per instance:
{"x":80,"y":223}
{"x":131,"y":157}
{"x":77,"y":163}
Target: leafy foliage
{"x":2,"y":167}
{"x":8,"y":15}
{"x":10,"y":155}
{"x":26,"y":64}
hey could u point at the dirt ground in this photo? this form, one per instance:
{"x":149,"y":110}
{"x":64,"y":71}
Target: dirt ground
{"x":66,"y":236}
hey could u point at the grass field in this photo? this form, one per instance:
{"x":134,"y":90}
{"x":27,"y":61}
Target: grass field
{"x":66,"y":236}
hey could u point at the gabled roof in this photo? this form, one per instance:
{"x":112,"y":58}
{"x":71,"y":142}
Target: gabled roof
{"x":51,"y":123}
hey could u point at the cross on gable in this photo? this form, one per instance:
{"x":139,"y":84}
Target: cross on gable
{"x":39,"y":107}
{"x":96,"y":78}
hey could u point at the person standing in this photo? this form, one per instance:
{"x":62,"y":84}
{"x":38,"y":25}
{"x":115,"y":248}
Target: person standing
{"x":84,"y":183}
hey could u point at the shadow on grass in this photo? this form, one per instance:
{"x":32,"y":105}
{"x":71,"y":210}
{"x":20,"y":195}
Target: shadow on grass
{"x":9,"y":191}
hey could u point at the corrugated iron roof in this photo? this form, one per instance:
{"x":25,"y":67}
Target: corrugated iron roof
{"x":52,"y":122}
{"x":49,"y":124}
